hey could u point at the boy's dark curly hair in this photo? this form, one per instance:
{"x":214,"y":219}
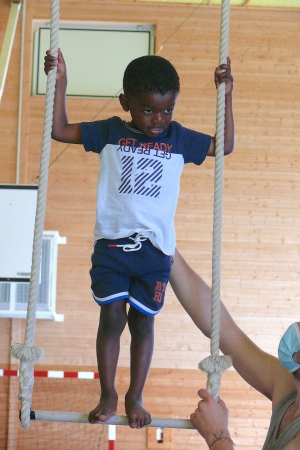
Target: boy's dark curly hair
{"x":150,"y":74}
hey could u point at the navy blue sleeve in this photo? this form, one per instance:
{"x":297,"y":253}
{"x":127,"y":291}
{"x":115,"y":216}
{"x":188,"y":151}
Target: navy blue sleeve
{"x":196,"y":146}
{"x":94,"y":135}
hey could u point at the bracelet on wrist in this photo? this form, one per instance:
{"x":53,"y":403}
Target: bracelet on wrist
{"x":220,"y":439}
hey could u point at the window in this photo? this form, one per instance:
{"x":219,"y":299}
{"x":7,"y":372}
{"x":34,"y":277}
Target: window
{"x":96,"y":55}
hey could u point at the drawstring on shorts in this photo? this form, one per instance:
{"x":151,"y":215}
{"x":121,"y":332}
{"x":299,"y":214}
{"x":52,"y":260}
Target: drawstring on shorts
{"x":137,"y":242}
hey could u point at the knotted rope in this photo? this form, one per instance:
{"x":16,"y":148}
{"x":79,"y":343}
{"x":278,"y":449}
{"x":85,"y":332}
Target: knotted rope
{"x":215,"y":364}
{"x":27,"y":352}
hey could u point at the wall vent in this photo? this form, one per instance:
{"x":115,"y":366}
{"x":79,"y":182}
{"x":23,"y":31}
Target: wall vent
{"x":14,"y":293}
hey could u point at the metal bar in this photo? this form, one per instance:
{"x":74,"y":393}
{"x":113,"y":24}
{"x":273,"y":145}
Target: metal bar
{"x":57,"y":416}
{"x":18,"y":154}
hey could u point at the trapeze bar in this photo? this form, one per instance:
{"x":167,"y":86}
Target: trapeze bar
{"x":58,"y":416}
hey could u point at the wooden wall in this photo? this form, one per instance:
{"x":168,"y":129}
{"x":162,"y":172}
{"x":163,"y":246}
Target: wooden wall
{"x":260,"y":260}
{"x":169,"y":393}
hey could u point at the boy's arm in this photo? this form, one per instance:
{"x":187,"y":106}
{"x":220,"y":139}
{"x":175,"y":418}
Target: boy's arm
{"x":225,"y":77}
{"x":61,"y":129}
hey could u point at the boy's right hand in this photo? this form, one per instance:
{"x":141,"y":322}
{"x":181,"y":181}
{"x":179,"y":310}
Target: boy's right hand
{"x":50,"y":62}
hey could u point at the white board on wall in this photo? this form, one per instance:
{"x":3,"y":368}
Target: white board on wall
{"x":17,"y":218}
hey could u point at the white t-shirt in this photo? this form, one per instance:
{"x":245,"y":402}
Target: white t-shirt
{"x":138,"y":182}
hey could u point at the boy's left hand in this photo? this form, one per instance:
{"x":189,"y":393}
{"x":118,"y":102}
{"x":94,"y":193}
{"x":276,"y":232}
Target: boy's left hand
{"x":223,"y":75}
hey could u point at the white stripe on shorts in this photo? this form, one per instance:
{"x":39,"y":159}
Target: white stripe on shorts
{"x":140,"y":306}
{"x":117,"y":296}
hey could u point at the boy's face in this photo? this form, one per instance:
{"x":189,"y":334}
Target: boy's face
{"x":150,"y":112}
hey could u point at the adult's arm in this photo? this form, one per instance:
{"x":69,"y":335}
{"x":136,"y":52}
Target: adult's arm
{"x":261,"y":370}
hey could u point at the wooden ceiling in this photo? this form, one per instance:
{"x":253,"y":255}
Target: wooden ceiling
{"x":237,"y":3}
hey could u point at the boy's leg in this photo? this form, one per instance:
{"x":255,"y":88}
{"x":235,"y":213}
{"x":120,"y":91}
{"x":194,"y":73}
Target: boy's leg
{"x":113,"y":318}
{"x":141,"y":350}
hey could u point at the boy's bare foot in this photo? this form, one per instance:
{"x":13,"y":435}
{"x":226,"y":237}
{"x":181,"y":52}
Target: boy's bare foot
{"x":137,"y":416}
{"x":106,"y":408}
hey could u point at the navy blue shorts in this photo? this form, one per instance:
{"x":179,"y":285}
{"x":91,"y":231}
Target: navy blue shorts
{"x":139,"y":276}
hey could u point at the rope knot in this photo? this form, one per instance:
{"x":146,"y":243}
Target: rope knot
{"x":26,"y":352}
{"x":25,"y":397}
{"x":217,"y":363}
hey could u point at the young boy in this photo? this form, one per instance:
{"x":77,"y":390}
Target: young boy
{"x":138,"y":186}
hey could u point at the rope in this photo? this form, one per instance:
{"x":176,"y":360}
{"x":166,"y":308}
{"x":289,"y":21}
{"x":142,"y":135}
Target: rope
{"x":215,"y":364}
{"x":27,"y":352}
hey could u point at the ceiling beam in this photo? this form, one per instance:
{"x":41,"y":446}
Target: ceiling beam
{"x":8,"y":42}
